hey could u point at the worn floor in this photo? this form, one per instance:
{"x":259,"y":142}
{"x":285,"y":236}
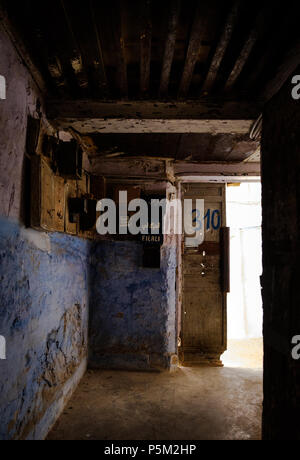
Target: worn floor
{"x":192,"y":404}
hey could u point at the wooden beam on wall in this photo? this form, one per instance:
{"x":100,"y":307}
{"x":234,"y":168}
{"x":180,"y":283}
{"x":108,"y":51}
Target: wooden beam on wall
{"x":145,"y":43}
{"x":222,"y":47}
{"x":169,"y":47}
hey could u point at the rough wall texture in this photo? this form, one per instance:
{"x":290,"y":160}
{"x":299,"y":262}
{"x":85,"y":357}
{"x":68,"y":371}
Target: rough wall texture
{"x":132,"y":313}
{"x":43,"y":316}
{"x":43,"y":284}
{"x":281,"y":251}
{"x":21,"y":99}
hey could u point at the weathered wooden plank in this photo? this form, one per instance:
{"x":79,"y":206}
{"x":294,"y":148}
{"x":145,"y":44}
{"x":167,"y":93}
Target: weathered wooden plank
{"x":43,"y":197}
{"x":65,"y":61}
{"x":241,"y":61}
{"x":121,"y":126}
{"x":47,"y":43}
{"x":192,"y":53}
{"x":83,"y":21}
{"x":182,"y":169}
{"x":59,"y":203}
{"x":221,"y":47}
{"x":246,"y":50}
{"x":146,"y":42}
{"x":169,"y":47}
{"x":130,"y":168}
{"x":116,"y":20}
{"x":99,"y":62}
{"x":75,"y":57}
{"x":70,"y":192}
{"x":205,"y":108}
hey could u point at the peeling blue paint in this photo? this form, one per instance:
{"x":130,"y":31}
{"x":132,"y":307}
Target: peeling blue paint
{"x":132,"y":308}
{"x":44,"y":297}
{"x":48,"y":283}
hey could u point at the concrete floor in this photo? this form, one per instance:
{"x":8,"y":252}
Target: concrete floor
{"x":191,"y":404}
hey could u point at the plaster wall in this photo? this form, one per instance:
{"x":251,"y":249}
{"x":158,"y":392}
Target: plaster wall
{"x":44,"y":282}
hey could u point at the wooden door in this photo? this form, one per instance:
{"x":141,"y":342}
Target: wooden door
{"x":204,"y":328}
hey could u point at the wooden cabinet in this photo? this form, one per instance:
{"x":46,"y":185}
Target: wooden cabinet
{"x":47,"y":197}
{"x":50,"y":196}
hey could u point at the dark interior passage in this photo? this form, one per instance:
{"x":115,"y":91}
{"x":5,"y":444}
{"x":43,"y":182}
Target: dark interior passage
{"x":158,"y":100}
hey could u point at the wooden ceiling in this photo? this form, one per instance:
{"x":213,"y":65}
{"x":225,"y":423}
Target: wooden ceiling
{"x":156,"y":49}
{"x":124,"y":53}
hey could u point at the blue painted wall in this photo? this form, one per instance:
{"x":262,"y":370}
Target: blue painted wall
{"x":44,"y":298}
{"x":44,"y":309}
{"x":132,"y":315}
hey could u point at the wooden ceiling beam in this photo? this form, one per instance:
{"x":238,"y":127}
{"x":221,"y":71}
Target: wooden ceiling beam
{"x":202,"y":109}
{"x":241,"y":61}
{"x":45,"y":49}
{"x":64,"y":61}
{"x":221,"y":47}
{"x":76,"y":57}
{"x":270,"y":50}
{"x":182,"y":168}
{"x":156,"y":168}
{"x":119,"y":40}
{"x":169,"y":47}
{"x":145,"y":46}
{"x":155,"y":126}
{"x":83,"y":23}
{"x":246,"y":50}
{"x":192,"y":53}
{"x":99,"y":62}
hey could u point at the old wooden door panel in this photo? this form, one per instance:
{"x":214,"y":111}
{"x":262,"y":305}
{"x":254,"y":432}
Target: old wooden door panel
{"x":199,"y":266}
{"x":204,"y":303}
{"x":204,"y":325}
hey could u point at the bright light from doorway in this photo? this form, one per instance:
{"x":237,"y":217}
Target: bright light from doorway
{"x":244,"y":303}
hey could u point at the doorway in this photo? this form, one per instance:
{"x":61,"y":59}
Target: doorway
{"x":217,"y":318}
{"x":203,"y":333}
{"x":244,"y":301}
